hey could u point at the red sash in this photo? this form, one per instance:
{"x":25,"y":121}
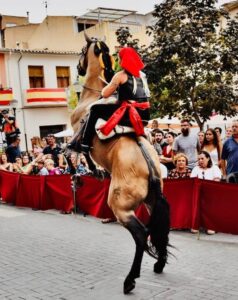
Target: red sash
{"x":133,"y":115}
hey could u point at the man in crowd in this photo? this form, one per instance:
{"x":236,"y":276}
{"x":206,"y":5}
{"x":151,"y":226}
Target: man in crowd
{"x":9,"y":126}
{"x":159,"y":141}
{"x":229,"y":157}
{"x":54,"y":150}
{"x":13,"y":150}
{"x":187,"y":143}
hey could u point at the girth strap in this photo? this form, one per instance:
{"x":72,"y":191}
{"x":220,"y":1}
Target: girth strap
{"x":150,"y":163}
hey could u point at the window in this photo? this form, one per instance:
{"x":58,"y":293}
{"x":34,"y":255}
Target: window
{"x":36,"y":76}
{"x":63,"y":78}
{"x":51,"y":129}
{"x":81,"y":26}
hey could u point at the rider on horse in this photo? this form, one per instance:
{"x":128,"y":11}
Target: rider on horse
{"x":133,"y":93}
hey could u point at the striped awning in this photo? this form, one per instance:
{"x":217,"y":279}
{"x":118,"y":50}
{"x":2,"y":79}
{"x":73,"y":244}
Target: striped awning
{"x":6,"y":96}
{"x":46,"y":96}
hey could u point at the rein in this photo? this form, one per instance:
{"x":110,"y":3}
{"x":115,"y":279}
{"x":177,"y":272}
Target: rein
{"x":91,"y":89}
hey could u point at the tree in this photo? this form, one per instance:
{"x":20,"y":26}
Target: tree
{"x":192,"y":65}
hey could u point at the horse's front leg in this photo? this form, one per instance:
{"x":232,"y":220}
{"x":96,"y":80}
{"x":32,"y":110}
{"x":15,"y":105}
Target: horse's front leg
{"x":139,"y":234}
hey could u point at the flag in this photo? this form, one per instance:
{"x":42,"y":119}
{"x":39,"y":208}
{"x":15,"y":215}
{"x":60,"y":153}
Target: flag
{"x":46,"y":96}
{"x":6,"y":96}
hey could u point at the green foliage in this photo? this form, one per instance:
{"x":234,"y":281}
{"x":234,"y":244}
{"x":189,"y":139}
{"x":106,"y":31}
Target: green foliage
{"x":191,"y":68}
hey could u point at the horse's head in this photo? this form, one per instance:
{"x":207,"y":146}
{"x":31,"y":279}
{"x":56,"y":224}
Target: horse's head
{"x":96,"y":50}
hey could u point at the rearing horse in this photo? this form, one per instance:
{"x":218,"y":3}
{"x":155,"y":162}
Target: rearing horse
{"x":134,"y":167}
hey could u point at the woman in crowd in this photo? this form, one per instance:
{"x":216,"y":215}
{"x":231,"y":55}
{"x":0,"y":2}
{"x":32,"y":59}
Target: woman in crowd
{"x":181,"y":167}
{"x":4,"y":164}
{"x":17,"y":165}
{"x":44,"y":142}
{"x":83,"y":168}
{"x":73,"y":166}
{"x":201,"y":136}
{"x":212,"y":145}
{"x":167,"y":153}
{"x":206,"y":170}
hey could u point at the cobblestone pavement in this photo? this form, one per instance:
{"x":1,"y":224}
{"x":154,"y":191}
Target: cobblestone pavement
{"x":46,"y":255}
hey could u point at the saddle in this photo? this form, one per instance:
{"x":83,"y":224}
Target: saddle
{"x":102,"y":113}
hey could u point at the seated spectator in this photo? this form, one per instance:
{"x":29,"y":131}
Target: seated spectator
{"x":167,"y":153}
{"x":206,"y":170}
{"x":83,"y":168}
{"x":73,"y":165}
{"x":17,"y":165}
{"x":27,"y":166}
{"x":41,"y":168}
{"x":4,"y":164}
{"x":181,"y":167}
{"x":50,"y":166}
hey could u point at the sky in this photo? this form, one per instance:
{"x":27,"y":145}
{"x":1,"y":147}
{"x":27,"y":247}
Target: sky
{"x":38,"y":12}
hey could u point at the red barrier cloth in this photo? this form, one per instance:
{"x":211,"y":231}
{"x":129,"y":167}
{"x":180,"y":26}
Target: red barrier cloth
{"x":91,"y":197}
{"x":179,"y":194}
{"x":29,"y":191}
{"x":133,"y":115}
{"x":57,"y":193}
{"x":219,"y":206}
{"x":9,"y":186}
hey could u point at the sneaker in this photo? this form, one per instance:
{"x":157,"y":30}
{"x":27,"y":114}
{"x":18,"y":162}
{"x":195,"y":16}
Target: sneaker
{"x":210,"y":232}
{"x":194,"y":231}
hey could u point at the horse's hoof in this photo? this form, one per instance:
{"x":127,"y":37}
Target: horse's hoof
{"x":129,"y":285}
{"x":159,"y":266}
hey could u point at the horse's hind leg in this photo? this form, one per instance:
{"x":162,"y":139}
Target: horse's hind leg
{"x":139,"y":234}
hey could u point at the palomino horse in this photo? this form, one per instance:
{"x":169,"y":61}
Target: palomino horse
{"x":134,"y":167}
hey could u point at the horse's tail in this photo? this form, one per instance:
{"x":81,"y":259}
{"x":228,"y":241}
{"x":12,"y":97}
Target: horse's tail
{"x":159,"y":227}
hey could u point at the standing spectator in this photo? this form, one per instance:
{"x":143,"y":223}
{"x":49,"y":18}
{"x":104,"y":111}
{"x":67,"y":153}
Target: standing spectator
{"x":4,"y":164}
{"x":229,"y":155}
{"x":219,"y":132}
{"x":187,"y":143}
{"x":44,"y":142}
{"x":55,"y":151}
{"x":206,"y":170}
{"x":201,"y":136}
{"x":213,"y":146}
{"x":9,"y":127}
{"x":154,"y":124}
{"x":159,"y":138}
{"x":228,"y":133}
{"x":13,"y":150}
{"x":167,"y":153}
{"x":181,"y":167}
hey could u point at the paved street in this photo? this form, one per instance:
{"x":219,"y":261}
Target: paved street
{"x":46,"y":255}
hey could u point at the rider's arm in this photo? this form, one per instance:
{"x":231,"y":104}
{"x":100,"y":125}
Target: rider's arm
{"x":117,"y":79}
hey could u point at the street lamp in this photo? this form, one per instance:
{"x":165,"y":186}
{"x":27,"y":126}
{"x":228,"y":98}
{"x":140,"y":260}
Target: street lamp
{"x":14,"y":103}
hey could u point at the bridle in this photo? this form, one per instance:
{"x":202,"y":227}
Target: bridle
{"x":106,"y":61}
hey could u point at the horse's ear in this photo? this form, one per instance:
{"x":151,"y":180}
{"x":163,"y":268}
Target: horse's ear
{"x":87,"y":38}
